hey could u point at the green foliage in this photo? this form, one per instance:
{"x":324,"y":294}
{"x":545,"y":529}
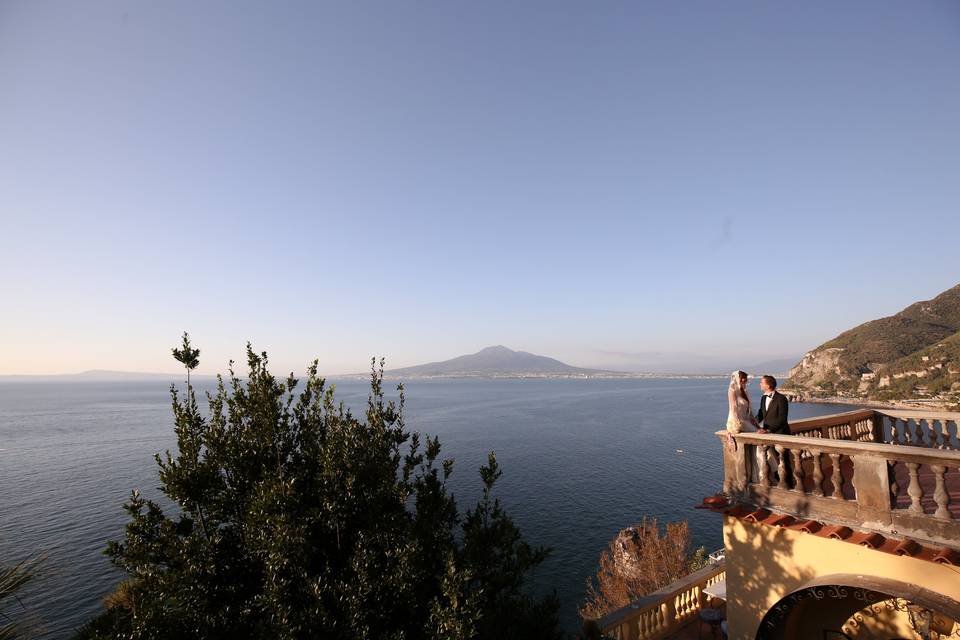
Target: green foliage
{"x":699,"y":559}
{"x":296,"y":519}
{"x":187,"y":355}
{"x":499,"y":559}
{"x":12,"y":580}
{"x":894,"y":344}
{"x":888,"y":339}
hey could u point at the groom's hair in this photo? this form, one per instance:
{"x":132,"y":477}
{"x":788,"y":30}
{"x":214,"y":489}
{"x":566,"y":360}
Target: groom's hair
{"x":771,"y":381}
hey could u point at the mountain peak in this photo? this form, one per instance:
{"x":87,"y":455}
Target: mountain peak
{"x":497,"y":348}
{"x":495,"y":360}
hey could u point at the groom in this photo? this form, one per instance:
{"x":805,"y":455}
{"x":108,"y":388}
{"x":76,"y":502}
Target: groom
{"x":773,"y":408}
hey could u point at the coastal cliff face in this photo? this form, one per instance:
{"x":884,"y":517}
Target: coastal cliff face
{"x":914,"y":354}
{"x":816,"y":367}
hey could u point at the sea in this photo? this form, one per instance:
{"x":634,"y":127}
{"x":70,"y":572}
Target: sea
{"x":581,"y":459}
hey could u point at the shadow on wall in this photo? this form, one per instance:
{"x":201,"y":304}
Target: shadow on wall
{"x":768,"y":596}
{"x":760,"y":571}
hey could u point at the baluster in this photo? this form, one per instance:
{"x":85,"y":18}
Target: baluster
{"x":835,"y":477}
{"x":914,"y":490}
{"x":907,"y":431}
{"x":894,"y":434}
{"x":936,"y":438}
{"x":817,"y":474}
{"x":892,"y":475}
{"x":920,"y":431}
{"x":781,"y":468}
{"x":763,"y":467}
{"x":940,"y":494}
{"x":797,"y":471}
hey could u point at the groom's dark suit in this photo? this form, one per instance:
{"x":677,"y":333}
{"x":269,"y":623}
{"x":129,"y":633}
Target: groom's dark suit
{"x":773,"y":413}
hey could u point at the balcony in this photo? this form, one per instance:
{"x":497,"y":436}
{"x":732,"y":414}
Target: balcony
{"x":671,"y":612}
{"x":892,"y":472}
{"x":888,"y":480}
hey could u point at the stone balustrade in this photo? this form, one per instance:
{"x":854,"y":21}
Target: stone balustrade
{"x":925,"y":428}
{"x":665,"y":611}
{"x":864,"y":478}
{"x":932,"y":429}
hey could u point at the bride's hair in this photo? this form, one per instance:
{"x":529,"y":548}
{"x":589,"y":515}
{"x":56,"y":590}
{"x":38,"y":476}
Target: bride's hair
{"x":737,"y":386}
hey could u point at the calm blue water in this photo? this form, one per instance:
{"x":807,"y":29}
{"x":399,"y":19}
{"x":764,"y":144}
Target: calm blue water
{"x":582,"y":459}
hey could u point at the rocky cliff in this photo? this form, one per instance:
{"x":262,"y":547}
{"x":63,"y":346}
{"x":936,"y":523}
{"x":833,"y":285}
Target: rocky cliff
{"x":912,"y":354}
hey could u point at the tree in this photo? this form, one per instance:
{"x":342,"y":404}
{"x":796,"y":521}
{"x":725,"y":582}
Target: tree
{"x":187,"y":355}
{"x":296,"y":519}
{"x":639,"y":561}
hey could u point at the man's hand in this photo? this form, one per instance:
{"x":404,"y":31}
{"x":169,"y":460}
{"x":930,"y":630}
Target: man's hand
{"x":762,"y":431}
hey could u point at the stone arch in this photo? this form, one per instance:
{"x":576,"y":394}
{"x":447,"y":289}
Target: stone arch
{"x":854,"y":606}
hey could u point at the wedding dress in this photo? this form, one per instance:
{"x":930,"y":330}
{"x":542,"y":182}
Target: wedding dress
{"x":741,"y":419}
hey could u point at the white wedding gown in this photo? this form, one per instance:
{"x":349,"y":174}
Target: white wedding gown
{"x":742,"y":420}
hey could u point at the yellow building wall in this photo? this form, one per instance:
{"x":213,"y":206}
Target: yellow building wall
{"x":765,"y":563}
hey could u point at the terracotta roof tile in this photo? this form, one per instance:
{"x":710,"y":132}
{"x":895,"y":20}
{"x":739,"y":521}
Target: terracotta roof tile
{"x":947,"y":556}
{"x":867,"y":539}
{"x":907,"y":548}
{"x":757,"y":516}
{"x":718,"y":501}
{"x":738,"y":511}
{"x":780,"y":520}
{"x":836,"y":532}
{"x":807,"y":526}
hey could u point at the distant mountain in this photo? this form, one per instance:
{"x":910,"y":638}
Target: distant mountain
{"x":692,"y":364}
{"x":497,"y":361}
{"x":912,"y":354}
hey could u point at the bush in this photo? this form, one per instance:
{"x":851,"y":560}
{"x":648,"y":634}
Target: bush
{"x":296,"y":519}
{"x":639,"y":561}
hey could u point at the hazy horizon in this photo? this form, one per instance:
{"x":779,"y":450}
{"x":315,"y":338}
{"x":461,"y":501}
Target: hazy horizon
{"x":658,"y":363}
{"x":618,"y":186}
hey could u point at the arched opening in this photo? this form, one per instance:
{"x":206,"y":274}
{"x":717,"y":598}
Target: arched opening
{"x":842,"y":607}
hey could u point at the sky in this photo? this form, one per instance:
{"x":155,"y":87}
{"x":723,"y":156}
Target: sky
{"x":613,"y":184}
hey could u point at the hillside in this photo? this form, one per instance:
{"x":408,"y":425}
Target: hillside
{"x":496,"y":361}
{"x":912,"y":354}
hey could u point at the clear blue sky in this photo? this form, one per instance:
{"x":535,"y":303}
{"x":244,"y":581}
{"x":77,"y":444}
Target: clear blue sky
{"x":591,"y":181}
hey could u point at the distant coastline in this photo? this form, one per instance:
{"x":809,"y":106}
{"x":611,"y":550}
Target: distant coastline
{"x":536,"y":375}
{"x":800,"y":396}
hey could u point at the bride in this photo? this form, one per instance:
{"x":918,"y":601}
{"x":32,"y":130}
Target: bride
{"x":740,"y":415}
